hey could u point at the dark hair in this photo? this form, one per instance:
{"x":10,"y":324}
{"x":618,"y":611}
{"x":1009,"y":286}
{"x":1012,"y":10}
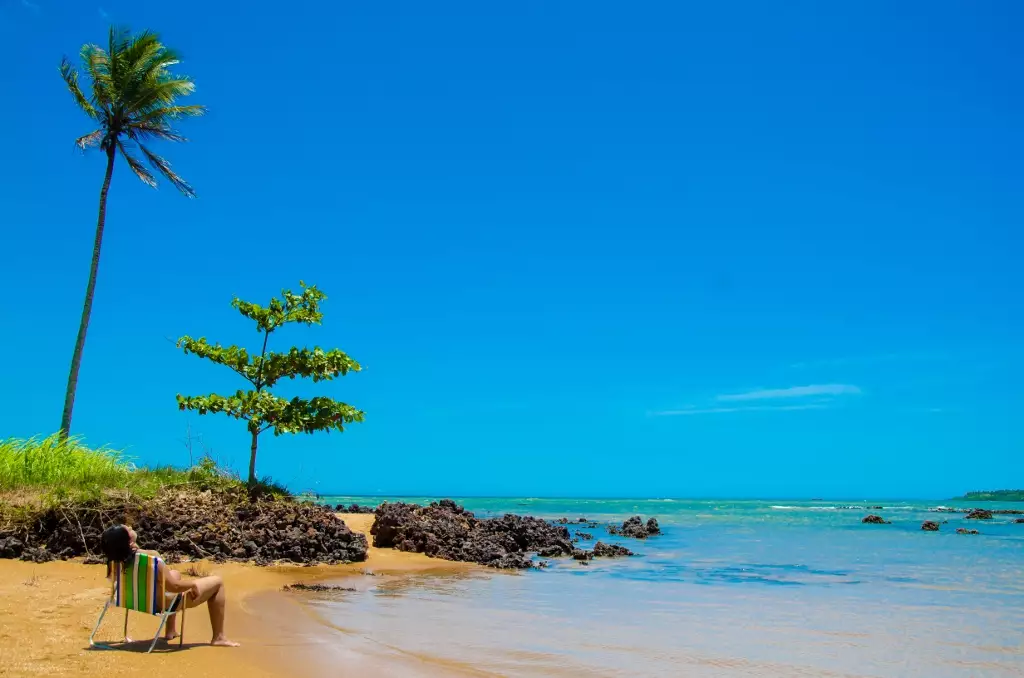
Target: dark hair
{"x":117,"y":545}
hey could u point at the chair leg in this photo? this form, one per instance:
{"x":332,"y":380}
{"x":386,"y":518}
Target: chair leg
{"x":126,"y":625}
{"x":92,"y":636}
{"x":163,"y":620}
{"x":181,"y":631}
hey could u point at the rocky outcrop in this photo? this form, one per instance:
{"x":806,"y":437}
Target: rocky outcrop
{"x":636,"y":528}
{"x":875,"y":520}
{"x":930,"y":526}
{"x":1019,"y":520}
{"x":964,"y":530}
{"x":584,"y":535}
{"x":354,"y":508}
{"x":979,"y":514}
{"x":602,"y":550}
{"x":220,"y":526}
{"x":446,"y":530}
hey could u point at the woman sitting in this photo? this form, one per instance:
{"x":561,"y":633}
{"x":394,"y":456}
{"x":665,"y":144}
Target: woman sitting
{"x":119,"y":546}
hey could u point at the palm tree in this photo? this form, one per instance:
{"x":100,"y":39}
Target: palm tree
{"x":133,"y":99}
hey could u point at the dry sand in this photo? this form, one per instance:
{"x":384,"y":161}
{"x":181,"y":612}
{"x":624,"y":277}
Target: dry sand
{"x":47,"y":612}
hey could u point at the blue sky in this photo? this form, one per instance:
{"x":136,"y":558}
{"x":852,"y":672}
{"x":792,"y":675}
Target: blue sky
{"x":671,"y":249}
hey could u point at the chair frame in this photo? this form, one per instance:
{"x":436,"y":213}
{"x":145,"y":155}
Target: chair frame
{"x":176,"y":605}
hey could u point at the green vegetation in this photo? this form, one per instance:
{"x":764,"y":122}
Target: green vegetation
{"x":996,"y":495}
{"x":133,"y":99}
{"x":260,"y":409}
{"x":56,"y":469}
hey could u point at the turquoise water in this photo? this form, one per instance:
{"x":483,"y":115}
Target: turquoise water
{"x":733,"y":588}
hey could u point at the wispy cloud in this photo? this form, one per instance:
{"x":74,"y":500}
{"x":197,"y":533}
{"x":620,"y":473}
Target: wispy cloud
{"x":28,"y":4}
{"x":750,"y":408}
{"x":811,"y":397}
{"x":103,"y":13}
{"x":792,"y":392}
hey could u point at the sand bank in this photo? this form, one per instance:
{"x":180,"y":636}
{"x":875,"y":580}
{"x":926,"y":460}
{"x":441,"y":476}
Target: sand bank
{"x":47,"y":612}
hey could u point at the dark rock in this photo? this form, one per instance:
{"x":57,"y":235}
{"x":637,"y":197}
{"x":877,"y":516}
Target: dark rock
{"x":979,"y":514}
{"x":1019,"y":520}
{"x":1008,"y":512}
{"x":875,"y":520}
{"x":876,"y":508}
{"x":37,"y":555}
{"x":319,"y":588}
{"x":634,"y":527}
{"x":580,"y":554}
{"x":584,"y":535}
{"x":354,"y":508}
{"x":964,"y":530}
{"x":930,"y":526}
{"x":221,"y":526}
{"x":602,"y":550}
{"x":11,"y":548}
{"x":445,"y":530}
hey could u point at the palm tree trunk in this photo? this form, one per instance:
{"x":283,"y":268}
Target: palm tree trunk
{"x":90,"y":289}
{"x":252,"y":459}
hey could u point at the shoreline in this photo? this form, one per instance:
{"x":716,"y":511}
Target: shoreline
{"x":48,"y":610}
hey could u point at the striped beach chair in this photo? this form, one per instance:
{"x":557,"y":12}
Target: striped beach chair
{"x":138,"y":587}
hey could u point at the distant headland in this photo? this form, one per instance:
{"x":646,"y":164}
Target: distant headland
{"x":996,"y":495}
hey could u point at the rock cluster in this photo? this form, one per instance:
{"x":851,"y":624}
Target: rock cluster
{"x":930,"y":526}
{"x":875,"y":520}
{"x":964,"y":530}
{"x":354,"y":508}
{"x":446,"y":530}
{"x":979,"y":514}
{"x":1019,"y":520}
{"x":636,"y":528}
{"x":220,"y":526}
{"x":316,"y":588}
{"x":602,"y":550}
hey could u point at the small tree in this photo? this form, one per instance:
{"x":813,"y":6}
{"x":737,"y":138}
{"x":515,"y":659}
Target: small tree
{"x":258,"y":407}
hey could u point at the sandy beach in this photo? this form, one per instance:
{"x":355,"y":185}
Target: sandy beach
{"x":47,"y":612}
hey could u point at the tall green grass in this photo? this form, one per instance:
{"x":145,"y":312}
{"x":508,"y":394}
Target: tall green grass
{"x":63,"y":469}
{"x":55,"y":463}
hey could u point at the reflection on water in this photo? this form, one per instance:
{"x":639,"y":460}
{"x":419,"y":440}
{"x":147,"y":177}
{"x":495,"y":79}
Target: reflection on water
{"x":731,"y":589}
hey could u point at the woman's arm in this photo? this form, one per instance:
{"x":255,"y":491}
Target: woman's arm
{"x":174,"y":583}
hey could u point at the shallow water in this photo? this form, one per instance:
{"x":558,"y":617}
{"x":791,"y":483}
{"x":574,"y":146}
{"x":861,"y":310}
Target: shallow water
{"x":733,"y":588}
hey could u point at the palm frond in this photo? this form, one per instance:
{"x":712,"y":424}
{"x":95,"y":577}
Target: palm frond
{"x":97,"y":62}
{"x":164,"y":168}
{"x":151,"y":130}
{"x":159,"y":92}
{"x":90,"y":139}
{"x":70,"y":76}
{"x":162,"y":113}
{"x":140,"y":170}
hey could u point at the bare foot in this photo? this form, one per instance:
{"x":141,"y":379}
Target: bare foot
{"x":223,"y":642}
{"x":171,"y":636}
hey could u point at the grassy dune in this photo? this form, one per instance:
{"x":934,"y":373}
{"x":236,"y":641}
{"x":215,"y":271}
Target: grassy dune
{"x":59,"y":470}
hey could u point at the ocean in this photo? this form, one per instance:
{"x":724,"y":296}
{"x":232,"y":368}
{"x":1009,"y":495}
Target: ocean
{"x":732,"y":588}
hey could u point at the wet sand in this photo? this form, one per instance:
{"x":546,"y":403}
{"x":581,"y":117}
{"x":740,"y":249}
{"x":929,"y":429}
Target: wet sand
{"x":47,"y":612}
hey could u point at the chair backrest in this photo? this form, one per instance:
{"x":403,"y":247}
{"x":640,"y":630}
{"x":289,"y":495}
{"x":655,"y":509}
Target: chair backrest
{"x":138,"y":585}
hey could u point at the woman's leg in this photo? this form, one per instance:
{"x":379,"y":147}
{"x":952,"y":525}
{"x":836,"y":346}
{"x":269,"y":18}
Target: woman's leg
{"x":171,"y":629}
{"x":211,"y":592}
